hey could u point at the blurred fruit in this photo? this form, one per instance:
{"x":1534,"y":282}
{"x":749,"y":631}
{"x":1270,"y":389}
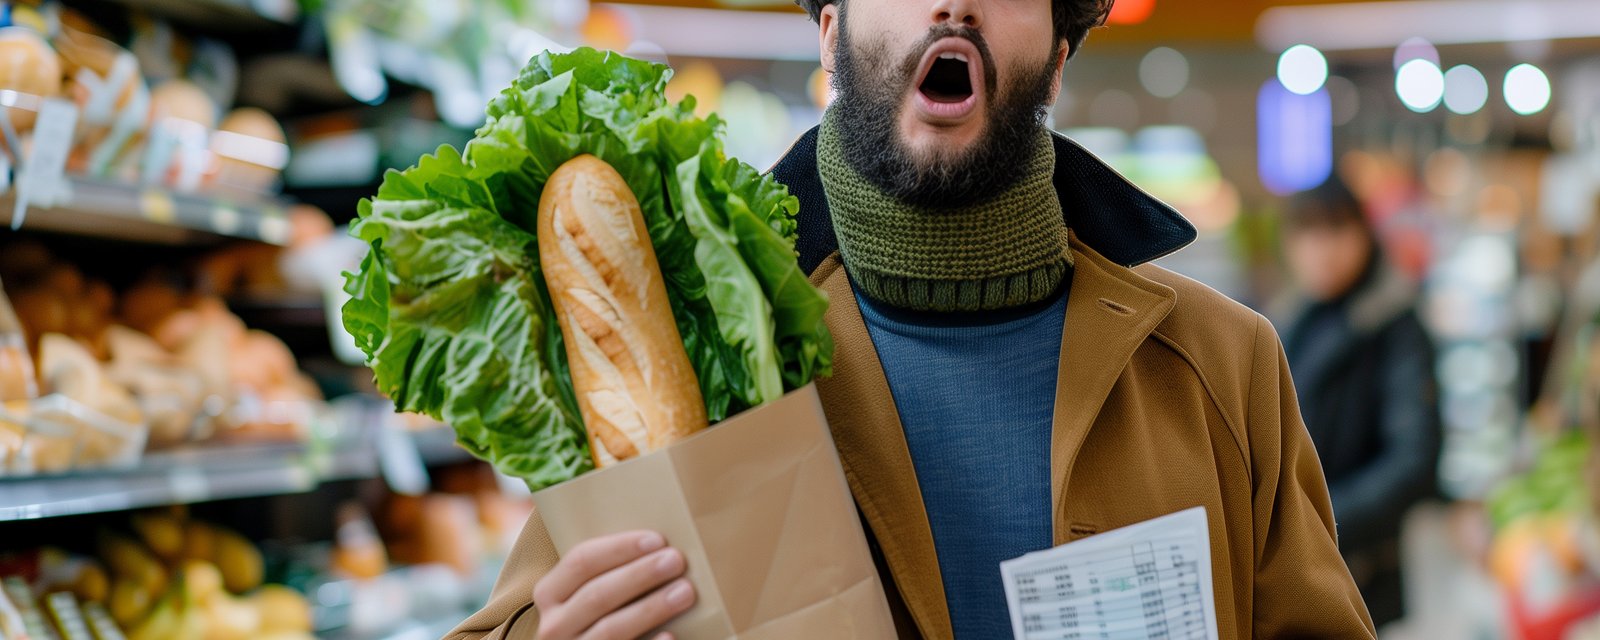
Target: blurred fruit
{"x":199,"y":540}
{"x":202,"y":580}
{"x":239,"y":561}
{"x":163,"y":533}
{"x":93,"y":584}
{"x":227,"y":618}
{"x":282,"y":609}
{"x":129,"y":602}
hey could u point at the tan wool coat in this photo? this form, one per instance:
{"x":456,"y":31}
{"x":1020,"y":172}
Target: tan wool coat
{"x":1169,"y":396}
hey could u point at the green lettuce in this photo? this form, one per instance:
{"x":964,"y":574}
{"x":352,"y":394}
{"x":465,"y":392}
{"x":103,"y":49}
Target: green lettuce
{"x":450,"y":306}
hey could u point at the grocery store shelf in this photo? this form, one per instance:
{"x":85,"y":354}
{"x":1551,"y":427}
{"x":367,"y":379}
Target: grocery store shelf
{"x":285,"y":311}
{"x":125,"y":212}
{"x":203,"y":474}
{"x":179,"y":477}
{"x":235,"y":15}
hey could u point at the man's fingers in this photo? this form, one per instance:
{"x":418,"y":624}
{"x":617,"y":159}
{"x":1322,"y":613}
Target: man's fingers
{"x":648,"y":613}
{"x":609,"y":593}
{"x":592,"y":558}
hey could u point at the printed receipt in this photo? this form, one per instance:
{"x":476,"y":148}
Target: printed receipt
{"x":1151,"y":580}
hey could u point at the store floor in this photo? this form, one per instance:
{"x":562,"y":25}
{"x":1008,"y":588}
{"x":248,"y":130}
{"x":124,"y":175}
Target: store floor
{"x":1448,"y":595}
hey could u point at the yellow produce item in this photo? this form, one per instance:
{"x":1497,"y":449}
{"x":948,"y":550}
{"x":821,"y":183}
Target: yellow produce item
{"x":129,"y":602}
{"x":282,"y":609}
{"x":162,"y":623}
{"x":202,"y":580}
{"x":93,"y":584}
{"x":227,"y":618}
{"x":163,"y":533}
{"x":199,"y":541}
{"x":126,"y":558}
{"x":239,"y":561}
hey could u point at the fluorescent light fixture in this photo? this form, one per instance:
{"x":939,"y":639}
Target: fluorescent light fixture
{"x":1420,"y":84}
{"x":1302,"y":69}
{"x":1382,"y":25}
{"x":1527,"y":89}
{"x":721,"y":33}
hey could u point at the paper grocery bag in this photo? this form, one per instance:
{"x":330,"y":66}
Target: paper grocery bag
{"x":759,"y":506}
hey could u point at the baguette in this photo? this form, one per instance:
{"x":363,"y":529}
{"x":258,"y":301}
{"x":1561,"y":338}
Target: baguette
{"x":635,"y":388}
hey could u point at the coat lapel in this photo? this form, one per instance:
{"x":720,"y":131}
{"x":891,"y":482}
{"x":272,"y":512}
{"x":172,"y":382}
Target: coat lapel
{"x":877,"y":463}
{"x":1110,"y":311}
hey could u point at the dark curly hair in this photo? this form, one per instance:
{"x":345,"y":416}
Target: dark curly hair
{"x":1073,"y":18}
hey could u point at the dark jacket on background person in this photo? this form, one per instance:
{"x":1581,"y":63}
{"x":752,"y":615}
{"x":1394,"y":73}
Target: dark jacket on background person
{"x":1363,"y":366}
{"x":1168,"y":396}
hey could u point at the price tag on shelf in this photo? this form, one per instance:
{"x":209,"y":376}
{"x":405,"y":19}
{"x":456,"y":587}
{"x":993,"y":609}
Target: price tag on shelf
{"x":41,"y":180}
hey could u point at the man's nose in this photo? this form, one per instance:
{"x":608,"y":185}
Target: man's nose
{"x":958,"y":12}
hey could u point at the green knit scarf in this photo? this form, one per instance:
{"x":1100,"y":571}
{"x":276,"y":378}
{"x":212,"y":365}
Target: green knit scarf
{"x":1006,"y":252}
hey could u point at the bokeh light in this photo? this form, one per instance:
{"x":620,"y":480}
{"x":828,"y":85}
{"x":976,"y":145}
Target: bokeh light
{"x":1420,"y":84}
{"x":1164,"y":72}
{"x":1415,"y":49}
{"x":1527,"y":89}
{"x":1465,"y":90}
{"x":1302,"y":69}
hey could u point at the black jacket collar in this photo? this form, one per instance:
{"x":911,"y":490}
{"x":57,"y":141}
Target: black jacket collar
{"x":1108,"y":213}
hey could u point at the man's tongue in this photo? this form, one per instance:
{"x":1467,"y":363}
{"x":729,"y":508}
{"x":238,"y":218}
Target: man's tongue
{"x":948,"y":81}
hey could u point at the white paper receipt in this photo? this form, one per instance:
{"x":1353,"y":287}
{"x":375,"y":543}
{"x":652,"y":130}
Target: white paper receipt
{"x":1151,"y":580}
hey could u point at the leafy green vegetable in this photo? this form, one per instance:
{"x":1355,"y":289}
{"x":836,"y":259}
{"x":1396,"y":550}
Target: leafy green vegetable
{"x":450,"y":305}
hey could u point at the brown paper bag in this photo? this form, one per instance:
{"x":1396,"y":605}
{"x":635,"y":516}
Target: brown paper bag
{"x":759,"y":506}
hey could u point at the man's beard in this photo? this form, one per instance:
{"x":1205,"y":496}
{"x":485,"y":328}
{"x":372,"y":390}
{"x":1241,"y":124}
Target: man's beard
{"x":870,"y":101}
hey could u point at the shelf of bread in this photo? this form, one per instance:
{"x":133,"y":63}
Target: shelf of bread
{"x":95,"y":146}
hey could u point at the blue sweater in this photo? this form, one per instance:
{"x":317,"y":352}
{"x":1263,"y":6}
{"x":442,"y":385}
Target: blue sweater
{"x":976,"y":401}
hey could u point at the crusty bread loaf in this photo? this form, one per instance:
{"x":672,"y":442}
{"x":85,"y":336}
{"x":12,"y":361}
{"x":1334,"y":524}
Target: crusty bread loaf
{"x":636,"y":389}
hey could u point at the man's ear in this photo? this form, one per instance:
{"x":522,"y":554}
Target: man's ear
{"x":828,"y":33}
{"x":1060,"y":65}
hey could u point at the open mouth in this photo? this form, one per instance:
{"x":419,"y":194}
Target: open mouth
{"x":950,"y":75}
{"x":949,"y":80}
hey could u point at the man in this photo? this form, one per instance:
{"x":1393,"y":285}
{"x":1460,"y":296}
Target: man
{"x":1364,"y":367}
{"x":1005,"y":380}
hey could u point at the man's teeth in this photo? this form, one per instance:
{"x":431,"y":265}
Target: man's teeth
{"x":951,"y":55}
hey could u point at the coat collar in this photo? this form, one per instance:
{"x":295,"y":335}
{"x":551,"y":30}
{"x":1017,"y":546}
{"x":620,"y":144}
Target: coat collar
{"x":1108,"y":213}
{"x":1110,"y":311}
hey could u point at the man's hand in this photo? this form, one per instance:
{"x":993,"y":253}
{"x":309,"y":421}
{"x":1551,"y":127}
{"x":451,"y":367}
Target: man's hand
{"x":611,"y":588}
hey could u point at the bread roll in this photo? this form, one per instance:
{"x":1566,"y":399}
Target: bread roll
{"x":636,"y":389}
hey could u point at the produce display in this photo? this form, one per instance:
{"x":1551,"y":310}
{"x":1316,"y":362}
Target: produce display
{"x":173,"y":579}
{"x":452,"y":305}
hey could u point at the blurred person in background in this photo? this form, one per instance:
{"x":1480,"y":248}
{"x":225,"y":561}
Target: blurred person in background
{"x":1363,"y":369}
